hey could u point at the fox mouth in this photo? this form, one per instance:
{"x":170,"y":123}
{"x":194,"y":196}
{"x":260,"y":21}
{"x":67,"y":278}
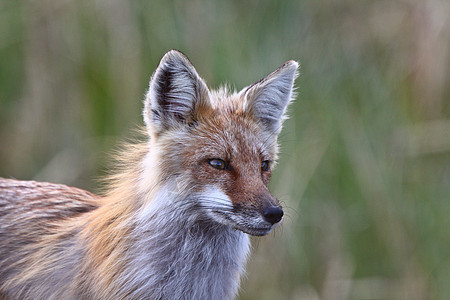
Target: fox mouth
{"x":252,"y":224}
{"x":259,"y":229}
{"x":255,"y":231}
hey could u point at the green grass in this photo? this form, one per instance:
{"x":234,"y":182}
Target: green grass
{"x":365,"y":167}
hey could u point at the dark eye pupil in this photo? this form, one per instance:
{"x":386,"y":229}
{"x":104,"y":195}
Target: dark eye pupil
{"x":217,"y":163}
{"x":265,"y":165}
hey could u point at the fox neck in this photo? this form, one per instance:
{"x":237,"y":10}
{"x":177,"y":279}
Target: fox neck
{"x":182,"y":254}
{"x":168,"y":250}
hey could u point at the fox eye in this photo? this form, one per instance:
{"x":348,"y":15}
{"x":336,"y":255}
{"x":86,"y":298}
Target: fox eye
{"x":265,"y":166}
{"x":217,"y":163}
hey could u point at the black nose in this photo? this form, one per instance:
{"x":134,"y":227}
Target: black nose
{"x":272,"y":214}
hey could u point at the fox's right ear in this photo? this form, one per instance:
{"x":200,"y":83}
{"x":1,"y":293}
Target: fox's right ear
{"x":176,"y":92}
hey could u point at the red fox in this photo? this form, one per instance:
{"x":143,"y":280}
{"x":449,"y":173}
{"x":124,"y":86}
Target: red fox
{"x":175,"y":221}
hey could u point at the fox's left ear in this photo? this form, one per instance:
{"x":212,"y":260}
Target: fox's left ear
{"x":268,"y":98}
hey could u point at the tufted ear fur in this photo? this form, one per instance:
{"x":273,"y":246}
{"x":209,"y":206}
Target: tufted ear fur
{"x":268,"y":98}
{"x":176,"y":92}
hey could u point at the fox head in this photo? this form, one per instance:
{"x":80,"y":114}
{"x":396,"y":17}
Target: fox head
{"x":218,"y":147}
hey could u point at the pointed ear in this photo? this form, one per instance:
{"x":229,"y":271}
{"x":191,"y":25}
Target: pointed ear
{"x":176,"y":91}
{"x":268,"y":98}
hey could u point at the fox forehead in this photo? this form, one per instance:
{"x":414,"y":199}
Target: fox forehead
{"x":226,"y":131}
{"x":232,"y":137}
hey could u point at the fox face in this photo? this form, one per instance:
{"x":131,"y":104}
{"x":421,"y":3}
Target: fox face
{"x":218,"y":147}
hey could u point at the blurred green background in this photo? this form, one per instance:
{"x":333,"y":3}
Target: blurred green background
{"x":364,"y":171}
